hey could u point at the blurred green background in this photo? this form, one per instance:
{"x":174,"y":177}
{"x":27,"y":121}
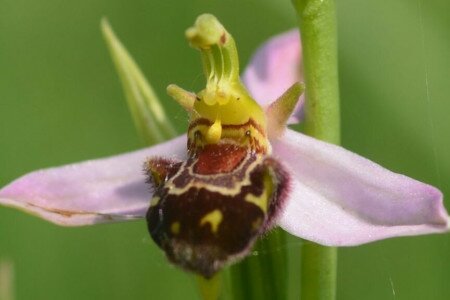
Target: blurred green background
{"x":61,"y":101}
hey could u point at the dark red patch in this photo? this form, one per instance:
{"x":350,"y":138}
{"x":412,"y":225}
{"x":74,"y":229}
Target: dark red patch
{"x":223,"y":180}
{"x":216,"y":158}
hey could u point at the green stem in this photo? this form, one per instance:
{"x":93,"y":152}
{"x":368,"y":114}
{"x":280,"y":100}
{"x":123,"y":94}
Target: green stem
{"x":317,"y":22}
{"x":209,"y":288}
{"x":318,"y":273}
{"x":261,"y":276}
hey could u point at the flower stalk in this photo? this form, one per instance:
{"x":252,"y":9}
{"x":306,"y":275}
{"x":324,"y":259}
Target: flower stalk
{"x":317,"y":23}
{"x":209,"y":289}
{"x":264,"y":274}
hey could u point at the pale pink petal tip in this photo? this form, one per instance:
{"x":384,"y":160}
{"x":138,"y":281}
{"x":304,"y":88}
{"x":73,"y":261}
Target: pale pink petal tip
{"x":97,"y":191}
{"x":341,"y":199}
{"x":274,"y":68}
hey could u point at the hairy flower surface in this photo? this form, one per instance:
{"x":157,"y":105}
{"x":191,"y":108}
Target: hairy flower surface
{"x":331,"y":196}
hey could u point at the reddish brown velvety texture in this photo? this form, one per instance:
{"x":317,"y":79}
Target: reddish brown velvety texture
{"x":214,"y":159}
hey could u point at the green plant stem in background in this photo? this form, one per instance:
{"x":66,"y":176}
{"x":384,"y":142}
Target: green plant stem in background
{"x":262,"y":275}
{"x":209,"y":288}
{"x":318,"y":273}
{"x":317,"y":23}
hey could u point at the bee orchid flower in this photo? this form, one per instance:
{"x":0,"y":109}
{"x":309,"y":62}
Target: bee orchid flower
{"x":237,"y":172}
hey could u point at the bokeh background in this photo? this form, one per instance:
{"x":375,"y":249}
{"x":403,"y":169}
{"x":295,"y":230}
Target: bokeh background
{"x":61,"y":102}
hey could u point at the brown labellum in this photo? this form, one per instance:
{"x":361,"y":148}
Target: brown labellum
{"x":209,"y":210}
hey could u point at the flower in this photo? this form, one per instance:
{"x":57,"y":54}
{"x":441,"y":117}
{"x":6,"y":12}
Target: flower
{"x":336,"y":197}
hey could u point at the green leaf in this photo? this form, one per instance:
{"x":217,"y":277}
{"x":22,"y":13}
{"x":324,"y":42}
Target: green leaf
{"x":148,"y":114}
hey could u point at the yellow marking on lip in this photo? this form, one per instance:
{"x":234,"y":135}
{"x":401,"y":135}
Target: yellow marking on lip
{"x":214,"y":218}
{"x":154,"y":201}
{"x":175,"y":228}
{"x":262,"y":201}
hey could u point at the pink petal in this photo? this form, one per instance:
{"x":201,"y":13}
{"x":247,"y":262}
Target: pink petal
{"x":340,"y":199}
{"x":97,"y":191}
{"x":274,"y":68}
